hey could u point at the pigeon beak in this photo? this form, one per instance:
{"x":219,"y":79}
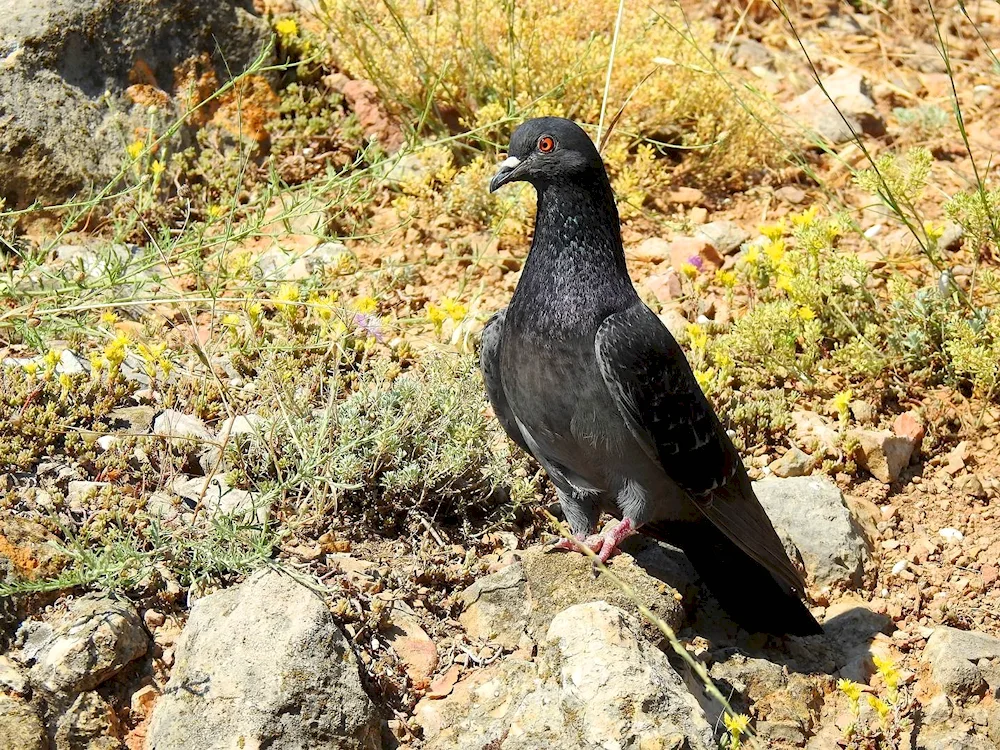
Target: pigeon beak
{"x":506,"y":173}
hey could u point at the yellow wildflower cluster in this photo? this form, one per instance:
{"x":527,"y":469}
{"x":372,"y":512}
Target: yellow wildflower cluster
{"x":286,"y":28}
{"x":841,"y":405}
{"x":154,"y":357}
{"x":323,"y":305}
{"x":448,"y":309}
{"x":287,"y":300}
{"x":365,"y":304}
{"x":112,"y":356}
{"x":135,"y":149}
{"x":736,"y":726}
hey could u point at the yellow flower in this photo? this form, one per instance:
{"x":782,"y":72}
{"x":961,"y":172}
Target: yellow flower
{"x":31,"y":368}
{"x":324,"y":305}
{"x":726,"y":278}
{"x":288,"y":295}
{"x":698,"y":336}
{"x":216,"y":211}
{"x":157,"y":167}
{"x":841,"y":402}
{"x":881,"y":707}
{"x":117,"y":349}
{"x":705,"y":378}
{"x":775,"y":250}
{"x":255,"y":310}
{"x":934,"y":231}
{"x":230,"y":320}
{"x":287,"y":28}
{"x":365,"y":304}
{"x":65,"y":382}
{"x":773,"y":232}
{"x":455,"y":310}
{"x":806,"y":218}
{"x":784,"y":283}
{"x":436,"y":315}
{"x":109,"y":318}
{"x":97,"y":362}
{"x":134,"y":149}
{"x":51,"y":359}
{"x":689,"y":270}
{"x":806,"y":313}
{"x":851,"y":689}
{"x":885,"y":667}
{"x":753,"y":254}
{"x":736,"y":724}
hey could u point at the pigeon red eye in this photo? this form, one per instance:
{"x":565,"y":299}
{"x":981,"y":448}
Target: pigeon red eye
{"x":546,"y":144}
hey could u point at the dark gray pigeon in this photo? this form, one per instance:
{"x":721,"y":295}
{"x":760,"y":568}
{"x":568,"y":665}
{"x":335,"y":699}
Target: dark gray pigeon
{"x":585,"y":377}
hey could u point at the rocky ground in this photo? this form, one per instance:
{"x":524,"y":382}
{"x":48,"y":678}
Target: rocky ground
{"x":189,"y":551}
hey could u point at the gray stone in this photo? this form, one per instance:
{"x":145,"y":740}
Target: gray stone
{"x":243,"y":424}
{"x":89,"y":723}
{"x":850,"y":114}
{"x":80,"y":491}
{"x":65,"y":116}
{"x":523,"y":597}
{"x":961,"y":737}
{"x":135,"y":420}
{"x":813,"y":521}
{"x":175,"y":424}
{"x":596,"y":683}
{"x":794,"y":463}
{"x":264,"y":664}
{"x":216,"y":496}
{"x":20,"y":727}
{"x":91,"y":643}
{"x":725,"y":236}
{"x":951,"y":237}
{"x":752,"y":678}
{"x":953,"y":655}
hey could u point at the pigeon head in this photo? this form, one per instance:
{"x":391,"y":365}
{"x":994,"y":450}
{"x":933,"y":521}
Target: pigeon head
{"x":548,"y":150}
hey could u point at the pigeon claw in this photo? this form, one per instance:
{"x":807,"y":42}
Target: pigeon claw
{"x":603,"y":545}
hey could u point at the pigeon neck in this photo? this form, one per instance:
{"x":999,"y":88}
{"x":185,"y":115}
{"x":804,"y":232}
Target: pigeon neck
{"x":575,"y":274}
{"x":577,"y":226}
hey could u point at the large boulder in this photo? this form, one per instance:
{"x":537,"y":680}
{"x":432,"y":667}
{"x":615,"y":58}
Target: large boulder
{"x":596,"y":683}
{"x":264,"y":664}
{"x":80,"y":79}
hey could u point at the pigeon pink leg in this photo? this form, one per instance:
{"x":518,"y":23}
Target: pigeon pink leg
{"x":603,"y":545}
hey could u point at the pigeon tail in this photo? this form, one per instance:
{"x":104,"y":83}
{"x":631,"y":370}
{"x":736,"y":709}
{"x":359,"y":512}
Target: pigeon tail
{"x":747,"y":590}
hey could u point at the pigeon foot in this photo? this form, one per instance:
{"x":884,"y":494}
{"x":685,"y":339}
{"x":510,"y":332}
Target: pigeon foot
{"x":603,"y":545}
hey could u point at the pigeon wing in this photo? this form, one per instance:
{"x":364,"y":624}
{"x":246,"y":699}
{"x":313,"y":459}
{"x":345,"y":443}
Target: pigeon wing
{"x":489,"y":364}
{"x":659,"y":398}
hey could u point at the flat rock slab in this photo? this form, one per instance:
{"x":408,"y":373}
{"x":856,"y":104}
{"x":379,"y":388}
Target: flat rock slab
{"x":264,"y":664}
{"x":596,"y":683}
{"x":524,"y":597}
{"x":960,"y":661}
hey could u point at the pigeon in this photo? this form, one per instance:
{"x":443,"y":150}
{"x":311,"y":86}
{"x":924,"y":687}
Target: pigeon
{"x":582,"y":375}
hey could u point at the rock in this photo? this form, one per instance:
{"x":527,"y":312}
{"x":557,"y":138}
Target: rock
{"x":216,"y":496}
{"x":596,"y":683}
{"x":961,"y":737}
{"x":686,"y":196}
{"x":674,"y":321}
{"x":11,"y":676}
{"x":815,"y":431}
{"x":790,"y":194}
{"x":142,"y":701}
{"x":263,"y":664}
{"x":862,"y":411}
{"x":882,"y":453}
{"x":20,"y":727}
{"x":937,"y":710}
{"x":751,"y":678}
{"x":749,"y":53}
{"x":135,"y":420}
{"x":80,"y":491}
{"x":693,"y":251}
{"x":852,"y":101}
{"x":90,"y":723}
{"x":851,"y":627}
{"x":951,"y":237}
{"x":175,"y":424}
{"x":94,"y":67}
{"x":650,"y":250}
{"x":909,"y":426}
{"x":794,"y":463}
{"x":526,"y":595}
{"x":92,"y":642}
{"x":813,"y":521}
{"x":953,"y":655}
{"x":375,"y":122}
{"x":243,"y":424}
{"x":666,"y":286}
{"x":412,"y":644}
{"x":725,"y":236}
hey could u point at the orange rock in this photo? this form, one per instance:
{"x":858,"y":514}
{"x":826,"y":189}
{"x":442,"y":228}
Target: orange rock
{"x":444,"y":684}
